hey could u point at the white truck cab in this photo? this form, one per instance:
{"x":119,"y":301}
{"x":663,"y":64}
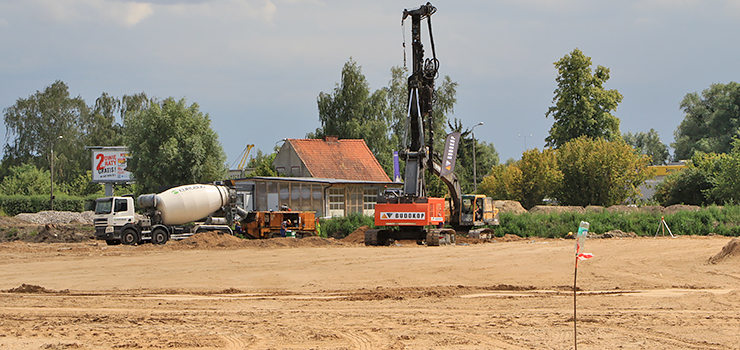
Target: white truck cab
{"x":112,"y":214}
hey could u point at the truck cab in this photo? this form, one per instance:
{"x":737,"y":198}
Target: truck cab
{"x":111,"y":215}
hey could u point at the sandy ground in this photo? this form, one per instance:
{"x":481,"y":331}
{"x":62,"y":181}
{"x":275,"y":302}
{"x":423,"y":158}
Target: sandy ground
{"x":215,"y":293}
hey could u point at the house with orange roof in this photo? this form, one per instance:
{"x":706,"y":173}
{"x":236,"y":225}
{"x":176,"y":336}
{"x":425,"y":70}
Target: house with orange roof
{"x":329,"y":176}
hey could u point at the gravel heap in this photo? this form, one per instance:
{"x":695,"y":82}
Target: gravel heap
{"x":57,"y":217}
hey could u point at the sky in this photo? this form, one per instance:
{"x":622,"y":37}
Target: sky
{"x":256,"y":67}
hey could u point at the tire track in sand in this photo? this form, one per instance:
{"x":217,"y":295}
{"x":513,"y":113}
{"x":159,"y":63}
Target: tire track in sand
{"x":359,"y":341}
{"x":235,"y":342}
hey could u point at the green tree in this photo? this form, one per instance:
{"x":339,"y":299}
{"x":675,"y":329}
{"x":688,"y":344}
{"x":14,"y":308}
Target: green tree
{"x":712,"y":120}
{"x":541,"y":176}
{"x":648,"y":144}
{"x":34,"y":123}
{"x":352,"y":112}
{"x":26,"y":180}
{"x":503,"y":182}
{"x":726,"y":181}
{"x":694,"y":184}
{"x":528,"y":180}
{"x":582,"y":106}
{"x":82,"y":186}
{"x":600,"y":172}
{"x":262,"y":164}
{"x":172,"y":144}
{"x":102,"y":127}
{"x":397,"y":94}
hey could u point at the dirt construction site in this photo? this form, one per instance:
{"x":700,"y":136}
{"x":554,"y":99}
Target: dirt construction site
{"x":59,"y":289}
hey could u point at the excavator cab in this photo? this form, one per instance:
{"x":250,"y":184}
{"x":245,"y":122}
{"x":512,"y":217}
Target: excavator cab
{"x":477,"y":210}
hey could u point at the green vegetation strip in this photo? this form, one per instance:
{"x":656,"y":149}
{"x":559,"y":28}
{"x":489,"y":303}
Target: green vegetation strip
{"x":713,"y":219}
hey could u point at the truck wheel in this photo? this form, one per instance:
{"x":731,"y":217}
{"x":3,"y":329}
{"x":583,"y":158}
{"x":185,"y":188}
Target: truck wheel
{"x":112,"y":242}
{"x":159,"y":236}
{"x":129,"y":236}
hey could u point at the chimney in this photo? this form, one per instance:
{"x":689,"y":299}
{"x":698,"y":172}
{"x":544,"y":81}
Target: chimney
{"x":332,"y":138}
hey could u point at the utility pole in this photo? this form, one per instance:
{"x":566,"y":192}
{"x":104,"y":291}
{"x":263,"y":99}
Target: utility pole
{"x":475,"y":177}
{"x":52,"y":169}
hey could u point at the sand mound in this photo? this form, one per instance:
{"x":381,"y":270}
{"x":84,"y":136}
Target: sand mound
{"x":214,"y":240}
{"x":468,"y":240}
{"x":549,"y":209}
{"x":11,"y":221}
{"x":32,"y":289}
{"x":509,"y":238}
{"x":731,"y":250}
{"x":680,"y":207}
{"x":50,"y":233}
{"x":622,"y":209}
{"x":211,"y":240}
{"x":509,"y":207}
{"x":357,"y":236}
{"x":652,"y":209}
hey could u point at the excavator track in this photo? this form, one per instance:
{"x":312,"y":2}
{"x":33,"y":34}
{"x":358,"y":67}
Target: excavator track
{"x":441,"y":236}
{"x":378,"y":237}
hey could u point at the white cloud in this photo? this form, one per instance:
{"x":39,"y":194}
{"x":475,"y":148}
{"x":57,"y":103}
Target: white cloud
{"x":135,"y":12}
{"x":268,"y":11}
{"x":126,"y":13}
{"x":220,"y":10}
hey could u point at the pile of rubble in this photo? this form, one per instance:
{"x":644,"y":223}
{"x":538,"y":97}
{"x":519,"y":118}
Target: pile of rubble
{"x":57,"y":217}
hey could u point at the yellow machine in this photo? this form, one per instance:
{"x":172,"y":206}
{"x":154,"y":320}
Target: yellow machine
{"x":478,"y":210}
{"x":266,"y":224}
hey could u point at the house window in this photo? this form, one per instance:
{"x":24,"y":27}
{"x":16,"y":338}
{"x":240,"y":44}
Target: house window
{"x":280,"y":170}
{"x":336,"y":199}
{"x":370,"y":197}
{"x":354,"y":199}
{"x":295,"y":171}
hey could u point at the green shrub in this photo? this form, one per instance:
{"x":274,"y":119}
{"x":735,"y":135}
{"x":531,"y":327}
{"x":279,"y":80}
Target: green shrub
{"x":340,"y":227}
{"x":720,"y":220}
{"x":14,"y":205}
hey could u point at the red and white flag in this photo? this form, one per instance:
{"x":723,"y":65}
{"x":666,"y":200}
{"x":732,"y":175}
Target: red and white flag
{"x":585,"y":256}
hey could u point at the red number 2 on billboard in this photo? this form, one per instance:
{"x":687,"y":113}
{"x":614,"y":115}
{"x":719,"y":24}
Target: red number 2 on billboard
{"x":100,"y":157}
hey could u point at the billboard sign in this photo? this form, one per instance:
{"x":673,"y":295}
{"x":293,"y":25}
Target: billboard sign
{"x":109,"y":165}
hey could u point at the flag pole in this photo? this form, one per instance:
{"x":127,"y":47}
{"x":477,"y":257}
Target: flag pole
{"x":580,"y":242}
{"x":575,"y":328}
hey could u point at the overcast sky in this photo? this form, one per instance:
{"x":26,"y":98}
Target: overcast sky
{"x":257,"y":66}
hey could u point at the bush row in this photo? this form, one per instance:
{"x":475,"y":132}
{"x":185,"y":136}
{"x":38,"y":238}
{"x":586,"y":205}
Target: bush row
{"x":13,"y":205}
{"x":720,"y":220}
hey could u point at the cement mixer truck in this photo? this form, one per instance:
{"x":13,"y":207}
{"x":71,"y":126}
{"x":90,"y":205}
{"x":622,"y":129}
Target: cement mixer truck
{"x":176,"y":213}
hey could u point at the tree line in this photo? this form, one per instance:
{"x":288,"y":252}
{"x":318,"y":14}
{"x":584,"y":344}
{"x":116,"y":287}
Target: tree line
{"x":171,"y":142}
{"x":586,"y":160}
